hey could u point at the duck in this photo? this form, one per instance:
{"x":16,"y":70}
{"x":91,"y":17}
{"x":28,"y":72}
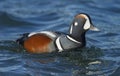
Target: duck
{"x":54,"y":41}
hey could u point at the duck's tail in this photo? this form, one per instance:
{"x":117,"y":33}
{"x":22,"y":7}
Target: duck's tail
{"x":22,"y":39}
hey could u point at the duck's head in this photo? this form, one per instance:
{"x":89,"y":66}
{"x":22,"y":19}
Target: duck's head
{"x":81,"y":24}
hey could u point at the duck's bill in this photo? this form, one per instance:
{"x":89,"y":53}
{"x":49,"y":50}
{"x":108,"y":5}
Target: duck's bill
{"x":93,"y":28}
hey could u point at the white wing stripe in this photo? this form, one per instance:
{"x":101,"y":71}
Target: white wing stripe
{"x":43,"y":32}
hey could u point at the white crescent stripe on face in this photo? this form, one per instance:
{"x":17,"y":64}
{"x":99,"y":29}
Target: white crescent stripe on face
{"x":70,"y":38}
{"x":87,"y":24}
{"x":49,"y":33}
{"x":58,"y":44}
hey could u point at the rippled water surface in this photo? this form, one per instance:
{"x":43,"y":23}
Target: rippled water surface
{"x":101,"y":57}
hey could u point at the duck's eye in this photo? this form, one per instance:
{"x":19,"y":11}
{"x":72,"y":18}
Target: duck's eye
{"x":75,"y":23}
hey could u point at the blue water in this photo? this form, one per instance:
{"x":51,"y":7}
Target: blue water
{"x":101,"y":57}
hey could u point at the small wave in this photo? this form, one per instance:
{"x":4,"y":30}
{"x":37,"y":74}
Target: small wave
{"x":7,"y":19}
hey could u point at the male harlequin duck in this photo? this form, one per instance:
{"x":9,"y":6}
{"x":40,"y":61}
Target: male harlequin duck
{"x":49,"y":41}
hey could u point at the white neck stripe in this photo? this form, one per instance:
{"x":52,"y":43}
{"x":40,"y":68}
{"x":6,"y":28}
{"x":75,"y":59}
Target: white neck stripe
{"x":58,"y":44}
{"x":71,"y":28}
{"x":70,"y":38}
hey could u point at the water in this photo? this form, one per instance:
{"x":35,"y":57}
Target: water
{"x":101,"y":57}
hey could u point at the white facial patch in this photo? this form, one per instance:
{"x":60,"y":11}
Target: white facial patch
{"x":86,"y":25}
